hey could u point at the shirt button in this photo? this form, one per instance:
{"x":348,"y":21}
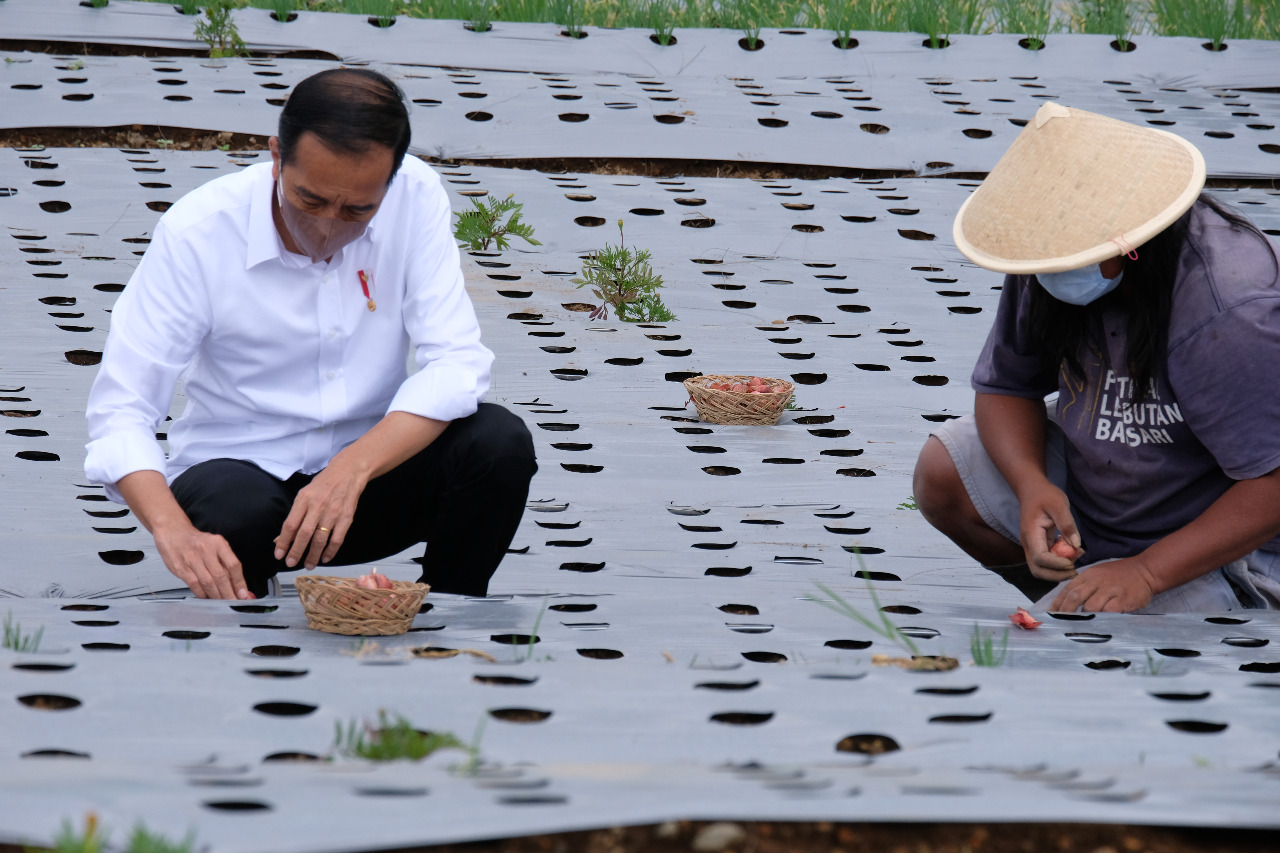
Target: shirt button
{"x":324,"y":279}
{"x":333,"y":333}
{"x":330,"y":375}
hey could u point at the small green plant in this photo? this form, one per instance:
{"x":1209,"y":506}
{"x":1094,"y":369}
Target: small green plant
{"x":1105,"y":17}
{"x":909,"y":503}
{"x":226,"y":146}
{"x":391,"y":739}
{"x":533,"y":636}
{"x":189,"y":7}
{"x":792,"y":405}
{"x":982,"y":646}
{"x":16,"y":641}
{"x":1154,"y":665}
{"x":490,"y":222}
{"x":882,"y":626}
{"x":98,"y":4}
{"x":281,"y":9}
{"x":480,"y":15}
{"x":663,"y":21}
{"x":622,"y":277}
{"x":164,"y":143}
{"x":75,"y":65}
{"x":748,"y":16}
{"x":217,"y":28}
{"x":92,"y":840}
{"x":929,"y":18}
{"x":1034,"y":18}
{"x":69,"y":840}
{"x":472,"y":764}
{"x":1217,"y":20}
{"x":841,"y":18}
{"x":569,"y":14}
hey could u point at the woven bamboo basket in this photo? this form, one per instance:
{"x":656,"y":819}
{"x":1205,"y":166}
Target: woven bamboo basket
{"x":337,"y":606}
{"x":738,"y":407}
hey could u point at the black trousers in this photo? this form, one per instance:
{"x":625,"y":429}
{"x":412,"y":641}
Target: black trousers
{"x":463,"y":496}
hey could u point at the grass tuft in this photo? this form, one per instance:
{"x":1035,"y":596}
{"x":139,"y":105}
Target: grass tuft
{"x":392,"y":739}
{"x":982,"y":646}
{"x":16,"y":641}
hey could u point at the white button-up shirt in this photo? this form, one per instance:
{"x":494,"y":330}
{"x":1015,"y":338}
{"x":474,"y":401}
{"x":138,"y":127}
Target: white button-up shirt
{"x":283,"y":362}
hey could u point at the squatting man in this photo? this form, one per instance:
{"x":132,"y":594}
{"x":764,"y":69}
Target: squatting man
{"x":285,"y":297}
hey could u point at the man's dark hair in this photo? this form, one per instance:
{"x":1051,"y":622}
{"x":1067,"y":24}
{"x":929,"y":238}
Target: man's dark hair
{"x":348,"y":109}
{"x":1146,"y":295}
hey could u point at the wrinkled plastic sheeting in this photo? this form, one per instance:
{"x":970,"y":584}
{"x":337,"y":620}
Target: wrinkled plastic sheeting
{"x":1173,"y":62}
{"x":849,"y":288}
{"x":949,"y":122}
{"x":628,"y":708}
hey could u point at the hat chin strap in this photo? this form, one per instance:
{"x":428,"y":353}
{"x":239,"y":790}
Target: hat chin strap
{"x":1125,"y":248}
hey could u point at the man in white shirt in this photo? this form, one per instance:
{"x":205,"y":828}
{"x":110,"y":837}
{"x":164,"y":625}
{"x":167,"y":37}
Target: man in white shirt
{"x":286,"y":297}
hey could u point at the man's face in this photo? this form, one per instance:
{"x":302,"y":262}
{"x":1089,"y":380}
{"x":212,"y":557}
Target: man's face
{"x":330,"y":184}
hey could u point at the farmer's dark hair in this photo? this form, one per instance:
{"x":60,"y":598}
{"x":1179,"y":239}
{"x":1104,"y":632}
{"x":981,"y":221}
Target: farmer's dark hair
{"x":348,"y":109}
{"x":1145,"y":295}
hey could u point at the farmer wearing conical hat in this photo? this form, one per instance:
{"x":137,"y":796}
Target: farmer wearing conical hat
{"x":1151,"y":482}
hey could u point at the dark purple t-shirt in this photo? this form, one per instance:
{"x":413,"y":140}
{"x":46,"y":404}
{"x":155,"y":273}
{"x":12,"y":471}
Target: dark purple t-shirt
{"x":1139,"y":472}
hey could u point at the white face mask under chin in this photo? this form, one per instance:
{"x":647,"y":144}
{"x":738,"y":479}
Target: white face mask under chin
{"x":1079,"y":286}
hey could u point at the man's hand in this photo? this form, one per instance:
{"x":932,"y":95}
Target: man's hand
{"x":321,"y":516}
{"x":203,"y":561}
{"x":1045,"y":513}
{"x":1121,"y":586}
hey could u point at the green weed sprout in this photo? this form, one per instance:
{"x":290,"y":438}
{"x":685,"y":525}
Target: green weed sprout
{"x":473,"y":750}
{"x":480,"y":15}
{"x":909,"y":503}
{"x":490,"y":222}
{"x":1153,"y":665}
{"x":747,"y":15}
{"x":282,"y":9}
{"x":883,"y":626}
{"x":218,"y":29}
{"x":662,"y":20}
{"x":983,"y":648}
{"x":533,"y":636}
{"x":1217,"y":20}
{"x":1031,"y":17}
{"x":930,"y":18}
{"x":16,"y":641}
{"x":1104,"y":17}
{"x":622,"y":277}
{"x":393,"y":738}
{"x":569,"y":14}
{"x":97,"y":4}
{"x":189,"y":7}
{"x":69,"y":840}
{"x":91,"y":840}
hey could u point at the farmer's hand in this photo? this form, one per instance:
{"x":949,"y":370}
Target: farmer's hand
{"x":1120,"y":586}
{"x":321,"y":516}
{"x":1045,"y":513}
{"x":203,"y":561}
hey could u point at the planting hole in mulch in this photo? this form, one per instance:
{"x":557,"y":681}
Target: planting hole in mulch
{"x":277,"y":673}
{"x":49,"y":702}
{"x":868,"y":744}
{"x":519,"y":715}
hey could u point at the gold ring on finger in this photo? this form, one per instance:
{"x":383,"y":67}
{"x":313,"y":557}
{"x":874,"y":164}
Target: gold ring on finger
{"x":323,"y":529}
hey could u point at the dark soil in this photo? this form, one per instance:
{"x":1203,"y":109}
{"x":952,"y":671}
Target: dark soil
{"x":678,"y":837}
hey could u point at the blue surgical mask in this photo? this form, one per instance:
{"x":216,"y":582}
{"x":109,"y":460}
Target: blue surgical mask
{"x":1080,"y":286}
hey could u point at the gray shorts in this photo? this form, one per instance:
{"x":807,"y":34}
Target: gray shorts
{"x":1250,"y":582}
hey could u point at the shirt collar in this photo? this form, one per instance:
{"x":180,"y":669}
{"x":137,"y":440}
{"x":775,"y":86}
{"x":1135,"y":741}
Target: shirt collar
{"x":265,"y":243}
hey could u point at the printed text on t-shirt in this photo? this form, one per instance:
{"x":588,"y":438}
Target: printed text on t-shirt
{"x":1120,"y":419}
